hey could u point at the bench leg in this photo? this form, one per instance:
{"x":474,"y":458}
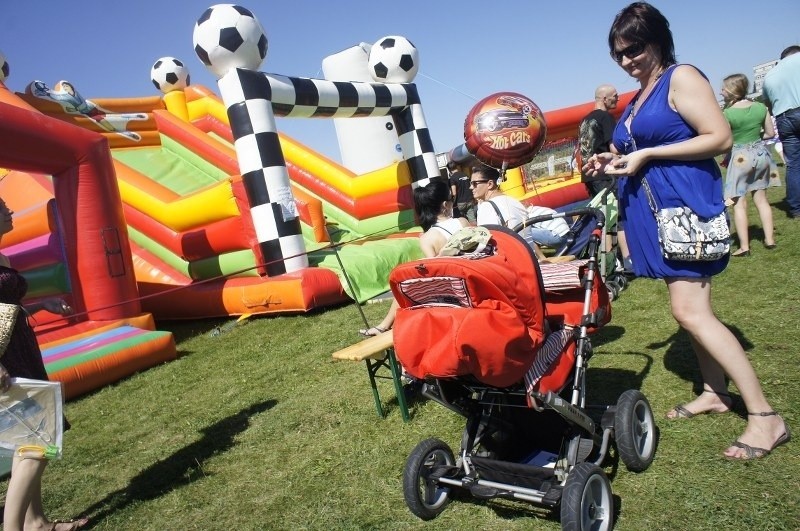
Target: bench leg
{"x":389,"y":361}
{"x":398,"y":383}
{"x":372,"y":368}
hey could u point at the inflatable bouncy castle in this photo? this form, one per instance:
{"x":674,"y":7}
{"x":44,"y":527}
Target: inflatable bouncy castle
{"x":235,"y":220}
{"x":70,"y":241}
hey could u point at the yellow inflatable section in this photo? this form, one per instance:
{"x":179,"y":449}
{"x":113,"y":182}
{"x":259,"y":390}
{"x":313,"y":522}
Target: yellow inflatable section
{"x":387,"y":179}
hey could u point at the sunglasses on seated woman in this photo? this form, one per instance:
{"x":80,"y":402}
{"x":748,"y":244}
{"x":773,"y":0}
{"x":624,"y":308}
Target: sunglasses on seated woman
{"x":631,"y":51}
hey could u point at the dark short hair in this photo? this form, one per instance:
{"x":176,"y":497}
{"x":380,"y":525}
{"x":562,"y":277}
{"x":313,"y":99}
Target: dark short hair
{"x":428,"y":201}
{"x":790,"y":50}
{"x":452,"y":166}
{"x":487,"y":171}
{"x":641,"y":22}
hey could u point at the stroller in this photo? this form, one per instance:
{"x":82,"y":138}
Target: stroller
{"x":495,"y":345}
{"x":578,"y":237}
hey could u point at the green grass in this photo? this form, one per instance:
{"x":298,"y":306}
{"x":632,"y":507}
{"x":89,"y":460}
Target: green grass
{"x":256,"y":428}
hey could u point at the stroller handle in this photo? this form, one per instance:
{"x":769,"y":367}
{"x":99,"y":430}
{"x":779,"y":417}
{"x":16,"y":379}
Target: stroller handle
{"x":596,"y":213}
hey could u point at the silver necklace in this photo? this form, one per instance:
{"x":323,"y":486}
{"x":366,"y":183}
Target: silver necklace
{"x":643,"y":97}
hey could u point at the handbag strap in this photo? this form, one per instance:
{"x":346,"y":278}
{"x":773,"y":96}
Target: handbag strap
{"x":650,"y":199}
{"x":497,"y":210}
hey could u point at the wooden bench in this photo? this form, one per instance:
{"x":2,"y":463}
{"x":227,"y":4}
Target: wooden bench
{"x":378,"y":353}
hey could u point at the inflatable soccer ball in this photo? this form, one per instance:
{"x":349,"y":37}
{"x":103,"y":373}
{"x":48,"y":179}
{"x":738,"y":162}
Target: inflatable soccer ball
{"x":393,"y":59}
{"x":4,"y":70}
{"x":228,"y":36}
{"x":168,"y":74}
{"x":505,"y":129}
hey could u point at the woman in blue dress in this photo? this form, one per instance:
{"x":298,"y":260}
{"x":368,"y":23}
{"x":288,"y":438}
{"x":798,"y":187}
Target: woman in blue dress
{"x":669,"y":134}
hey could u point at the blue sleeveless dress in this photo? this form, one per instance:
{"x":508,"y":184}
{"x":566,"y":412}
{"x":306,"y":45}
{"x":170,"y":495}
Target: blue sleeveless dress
{"x":696,"y":184}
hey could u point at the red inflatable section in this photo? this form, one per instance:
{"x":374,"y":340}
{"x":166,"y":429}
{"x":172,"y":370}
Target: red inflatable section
{"x":108,"y":337}
{"x":563,"y":123}
{"x":87,"y":198}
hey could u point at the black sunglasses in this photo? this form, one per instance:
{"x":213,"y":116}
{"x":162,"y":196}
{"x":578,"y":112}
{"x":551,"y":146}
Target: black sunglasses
{"x":634,"y":50}
{"x":475,"y":183}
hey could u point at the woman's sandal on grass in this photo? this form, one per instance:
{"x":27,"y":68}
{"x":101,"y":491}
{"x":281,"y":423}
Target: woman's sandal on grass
{"x":68,"y":525}
{"x":372,"y":331}
{"x":754,"y":452}
{"x":680,"y":411}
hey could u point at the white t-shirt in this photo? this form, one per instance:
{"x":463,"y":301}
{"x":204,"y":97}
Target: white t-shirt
{"x":557,"y":226}
{"x":513,"y":213}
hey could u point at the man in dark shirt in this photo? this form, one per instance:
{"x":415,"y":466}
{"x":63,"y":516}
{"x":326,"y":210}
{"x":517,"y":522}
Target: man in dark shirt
{"x":594,"y":136}
{"x":464,"y":202}
{"x":596,"y":130}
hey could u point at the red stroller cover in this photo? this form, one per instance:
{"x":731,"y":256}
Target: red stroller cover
{"x":479,"y":315}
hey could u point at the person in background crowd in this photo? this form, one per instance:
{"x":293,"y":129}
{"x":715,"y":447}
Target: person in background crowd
{"x":462,"y":194}
{"x":594,"y":136}
{"x":749,"y":162}
{"x":595,"y":131}
{"x":495,"y":207}
{"x":781,"y":91}
{"x":434,"y":207}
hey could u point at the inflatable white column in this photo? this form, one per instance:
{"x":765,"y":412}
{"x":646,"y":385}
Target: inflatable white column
{"x":366,"y":144}
{"x":226,"y":38}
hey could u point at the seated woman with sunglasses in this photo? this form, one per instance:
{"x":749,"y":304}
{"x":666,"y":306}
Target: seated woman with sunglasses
{"x":434,"y":207}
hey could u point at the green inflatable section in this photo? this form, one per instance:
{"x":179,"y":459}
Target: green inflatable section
{"x":367,"y":264}
{"x":172,"y":166}
{"x":48,"y":280}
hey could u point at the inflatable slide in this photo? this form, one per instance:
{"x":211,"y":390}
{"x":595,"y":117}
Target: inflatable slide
{"x":70,"y":241}
{"x":193,"y":243}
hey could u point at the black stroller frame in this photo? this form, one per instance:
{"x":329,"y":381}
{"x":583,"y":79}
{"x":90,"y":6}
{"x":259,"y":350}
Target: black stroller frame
{"x":549,"y":455}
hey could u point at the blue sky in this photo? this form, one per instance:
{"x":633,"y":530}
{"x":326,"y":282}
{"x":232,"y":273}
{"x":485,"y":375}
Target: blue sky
{"x":553,"y":52}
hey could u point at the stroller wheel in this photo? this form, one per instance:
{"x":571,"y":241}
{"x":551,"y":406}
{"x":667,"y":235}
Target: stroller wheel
{"x":424,"y":496}
{"x":619,"y":279}
{"x":613,"y":290}
{"x":635,"y":430}
{"x":587,"y":502}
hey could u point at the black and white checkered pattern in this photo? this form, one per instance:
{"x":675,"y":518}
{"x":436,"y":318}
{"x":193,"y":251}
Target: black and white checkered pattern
{"x":254,"y":98}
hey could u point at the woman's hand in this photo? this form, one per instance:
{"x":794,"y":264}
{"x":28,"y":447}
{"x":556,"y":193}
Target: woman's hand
{"x":5,"y":379}
{"x":57,"y":306}
{"x":629,"y":164}
{"x":600,"y":164}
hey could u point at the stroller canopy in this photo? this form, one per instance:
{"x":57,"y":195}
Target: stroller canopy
{"x":478,"y":314}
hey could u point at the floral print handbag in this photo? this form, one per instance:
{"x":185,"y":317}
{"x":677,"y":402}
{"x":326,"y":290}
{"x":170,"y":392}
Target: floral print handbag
{"x":684,"y":236}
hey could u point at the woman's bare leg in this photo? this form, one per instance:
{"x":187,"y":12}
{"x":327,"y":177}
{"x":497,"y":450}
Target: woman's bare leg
{"x":741,"y":223}
{"x":765,"y":213}
{"x":24,"y":495}
{"x":690,"y":301}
